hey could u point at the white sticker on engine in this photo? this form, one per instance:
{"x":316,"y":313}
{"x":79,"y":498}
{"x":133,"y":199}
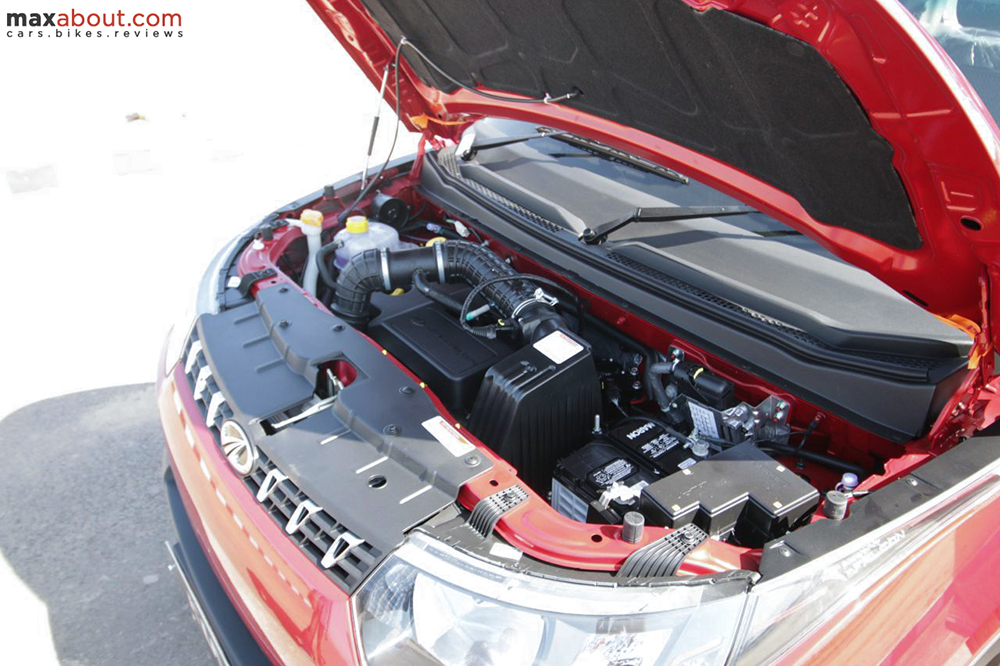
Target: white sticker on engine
{"x":703,"y":419}
{"x":558,"y":347}
{"x":445,"y":433}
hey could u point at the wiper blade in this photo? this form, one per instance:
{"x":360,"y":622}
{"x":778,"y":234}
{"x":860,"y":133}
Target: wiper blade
{"x":615,"y":155}
{"x":598,"y":233}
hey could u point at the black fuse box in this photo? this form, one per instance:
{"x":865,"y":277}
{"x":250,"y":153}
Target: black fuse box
{"x":580,"y":479}
{"x":740,"y":493}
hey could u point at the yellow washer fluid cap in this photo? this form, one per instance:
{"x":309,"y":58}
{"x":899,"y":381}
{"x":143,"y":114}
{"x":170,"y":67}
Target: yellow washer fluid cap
{"x":357,"y":224}
{"x":313,"y":218}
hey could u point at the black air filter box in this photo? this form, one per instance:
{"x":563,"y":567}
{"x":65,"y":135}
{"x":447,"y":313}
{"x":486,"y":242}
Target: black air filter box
{"x":428,"y":340}
{"x":538,"y":404}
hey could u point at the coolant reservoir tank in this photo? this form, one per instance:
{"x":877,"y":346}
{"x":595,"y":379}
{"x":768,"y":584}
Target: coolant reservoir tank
{"x":360,"y":234}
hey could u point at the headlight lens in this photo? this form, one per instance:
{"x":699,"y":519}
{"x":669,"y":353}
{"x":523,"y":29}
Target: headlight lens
{"x":430,"y":604}
{"x":802,"y":608}
{"x":206,"y":300}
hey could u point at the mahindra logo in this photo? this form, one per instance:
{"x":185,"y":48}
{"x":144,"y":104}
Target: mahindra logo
{"x":236,"y":446}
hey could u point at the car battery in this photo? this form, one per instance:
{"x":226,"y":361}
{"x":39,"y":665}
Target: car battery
{"x":741,"y":494}
{"x":599,"y":483}
{"x":662,"y":449}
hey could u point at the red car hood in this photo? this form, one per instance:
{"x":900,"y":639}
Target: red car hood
{"x":842,"y":118}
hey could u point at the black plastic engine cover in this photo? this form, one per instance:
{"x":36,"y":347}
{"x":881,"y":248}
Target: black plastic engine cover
{"x":428,"y":340}
{"x":538,"y":404}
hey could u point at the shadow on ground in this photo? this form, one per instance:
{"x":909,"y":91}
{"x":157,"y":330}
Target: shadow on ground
{"x":83,"y":518}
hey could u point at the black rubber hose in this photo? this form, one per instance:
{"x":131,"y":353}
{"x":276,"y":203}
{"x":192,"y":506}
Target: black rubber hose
{"x":473,"y":264}
{"x":323,"y":263}
{"x":536,"y":312}
{"x":818,"y":458}
{"x":420,"y":284}
{"x":656,"y":372}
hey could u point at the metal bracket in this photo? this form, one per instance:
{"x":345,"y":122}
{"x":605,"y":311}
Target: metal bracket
{"x":538,"y":297}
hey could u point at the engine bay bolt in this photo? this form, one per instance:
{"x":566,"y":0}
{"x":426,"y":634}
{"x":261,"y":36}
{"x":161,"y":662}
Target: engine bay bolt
{"x":848,"y":482}
{"x":406,"y":390}
{"x":473,"y":460}
{"x":910,"y":480}
{"x":392,"y":429}
{"x":785,"y":551}
{"x":337,"y":328}
{"x":636,"y":385}
{"x":632,"y":527}
{"x":284,"y":323}
{"x":835,"y":506}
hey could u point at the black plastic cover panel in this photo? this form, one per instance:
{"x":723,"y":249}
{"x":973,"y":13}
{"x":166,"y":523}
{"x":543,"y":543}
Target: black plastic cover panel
{"x":711,"y":81}
{"x":264,"y":358}
{"x":429,"y":341}
{"x":741,"y":489}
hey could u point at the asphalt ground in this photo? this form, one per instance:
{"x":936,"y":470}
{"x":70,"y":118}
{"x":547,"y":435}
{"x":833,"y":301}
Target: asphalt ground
{"x":83,"y":518}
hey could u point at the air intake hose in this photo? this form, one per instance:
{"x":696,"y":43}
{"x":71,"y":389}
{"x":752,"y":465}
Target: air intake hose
{"x":451,"y":261}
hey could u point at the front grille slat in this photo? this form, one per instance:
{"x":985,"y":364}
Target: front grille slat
{"x":320,"y":530}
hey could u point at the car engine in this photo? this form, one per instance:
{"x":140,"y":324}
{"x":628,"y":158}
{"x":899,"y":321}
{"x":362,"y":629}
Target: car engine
{"x":607,"y":429}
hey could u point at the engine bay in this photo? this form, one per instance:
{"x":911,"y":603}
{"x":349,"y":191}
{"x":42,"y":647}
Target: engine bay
{"x":608,"y":419}
{"x":566,"y":412}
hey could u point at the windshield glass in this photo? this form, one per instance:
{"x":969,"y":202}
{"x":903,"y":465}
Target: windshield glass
{"x":969,"y":31}
{"x":749,"y":259}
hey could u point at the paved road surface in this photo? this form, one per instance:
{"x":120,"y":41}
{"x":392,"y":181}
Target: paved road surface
{"x":83,"y":518}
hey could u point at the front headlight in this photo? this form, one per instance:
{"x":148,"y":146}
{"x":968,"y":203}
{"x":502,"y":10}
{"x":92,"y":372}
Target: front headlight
{"x":206,"y":300}
{"x":431,"y":604}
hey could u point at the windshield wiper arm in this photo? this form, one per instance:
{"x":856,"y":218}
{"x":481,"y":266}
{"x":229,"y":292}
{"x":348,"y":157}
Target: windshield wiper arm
{"x":615,"y":155}
{"x":467,"y":148}
{"x":598,"y":233}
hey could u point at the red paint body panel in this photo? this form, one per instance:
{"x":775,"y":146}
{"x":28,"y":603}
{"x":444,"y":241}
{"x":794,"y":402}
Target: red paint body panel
{"x":296,"y":613}
{"x":945,"y":142}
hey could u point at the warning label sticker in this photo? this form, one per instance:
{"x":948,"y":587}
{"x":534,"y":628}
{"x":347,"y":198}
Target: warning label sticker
{"x":703,"y":419}
{"x":558,"y":347}
{"x":616,"y":470}
{"x":451,"y":438}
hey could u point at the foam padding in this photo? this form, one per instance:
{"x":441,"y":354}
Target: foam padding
{"x":711,"y":81}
